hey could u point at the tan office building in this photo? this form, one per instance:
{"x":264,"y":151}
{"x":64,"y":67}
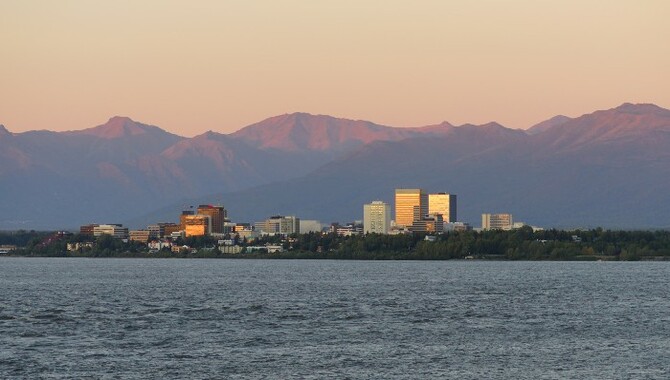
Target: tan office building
{"x":444,"y":204}
{"x":410,"y":205}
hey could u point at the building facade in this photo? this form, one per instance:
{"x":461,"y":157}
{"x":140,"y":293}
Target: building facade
{"x":115,"y":230}
{"x":182,"y":218}
{"x":443,"y":203}
{"x":161,"y":230}
{"x":196,"y":225}
{"x":87,"y":229}
{"x":497,"y":222}
{"x":376,"y":218}
{"x":217,"y":216}
{"x":141,"y":236}
{"x":431,"y":223}
{"x":284,"y":225}
{"x":410,"y":205}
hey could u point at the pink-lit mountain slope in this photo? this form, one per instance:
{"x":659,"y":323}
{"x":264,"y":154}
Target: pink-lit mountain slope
{"x":301,"y":132}
{"x":628,"y":122}
{"x":609,"y":168}
{"x":547,"y":124}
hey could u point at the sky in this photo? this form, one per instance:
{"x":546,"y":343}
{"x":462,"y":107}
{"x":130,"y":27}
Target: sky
{"x":193,"y":66}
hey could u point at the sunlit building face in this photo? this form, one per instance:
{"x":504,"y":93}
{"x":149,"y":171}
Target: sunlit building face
{"x":410,"y":205}
{"x":443,"y":204}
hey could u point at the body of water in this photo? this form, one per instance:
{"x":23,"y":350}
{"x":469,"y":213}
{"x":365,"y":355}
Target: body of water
{"x":249,"y":319}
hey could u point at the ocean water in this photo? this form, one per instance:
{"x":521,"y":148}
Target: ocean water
{"x":303,"y":319}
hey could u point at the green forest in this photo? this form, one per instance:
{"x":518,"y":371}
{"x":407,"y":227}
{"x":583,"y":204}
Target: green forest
{"x":520,"y":244}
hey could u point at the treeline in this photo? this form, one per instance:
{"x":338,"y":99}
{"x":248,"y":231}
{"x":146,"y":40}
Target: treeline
{"x":521,"y":244}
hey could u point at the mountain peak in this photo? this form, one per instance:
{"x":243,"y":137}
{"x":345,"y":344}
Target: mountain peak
{"x":642,"y":108}
{"x":3,"y":130}
{"x":303,"y":131}
{"x":547,"y":124}
{"x":120,"y":127}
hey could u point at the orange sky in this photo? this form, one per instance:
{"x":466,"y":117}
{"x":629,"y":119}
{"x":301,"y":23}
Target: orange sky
{"x":192,"y":66}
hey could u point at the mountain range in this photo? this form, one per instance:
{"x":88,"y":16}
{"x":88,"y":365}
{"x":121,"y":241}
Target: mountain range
{"x":608,"y":168}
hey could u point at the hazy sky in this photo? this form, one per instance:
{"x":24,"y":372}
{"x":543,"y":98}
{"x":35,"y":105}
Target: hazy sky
{"x":192,"y":66}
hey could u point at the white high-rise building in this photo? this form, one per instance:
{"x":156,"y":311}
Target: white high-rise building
{"x":376,"y":217}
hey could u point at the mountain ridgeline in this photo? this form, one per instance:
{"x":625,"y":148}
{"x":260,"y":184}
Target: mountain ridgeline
{"x":610,"y":168}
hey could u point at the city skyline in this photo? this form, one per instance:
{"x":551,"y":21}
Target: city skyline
{"x":224,"y":65}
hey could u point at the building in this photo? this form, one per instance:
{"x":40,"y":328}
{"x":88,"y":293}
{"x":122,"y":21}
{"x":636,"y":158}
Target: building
{"x":497,"y":222}
{"x":196,"y":225}
{"x":410,"y":205}
{"x":141,"y":236}
{"x":443,"y":203}
{"x":157,"y":245}
{"x":349,"y":229}
{"x":307,"y":226}
{"x":177,"y":235}
{"x":115,"y":230}
{"x":87,"y":229}
{"x":6,"y":248}
{"x":457,"y":227}
{"x":161,"y":230}
{"x":247,"y":234}
{"x":72,"y":247}
{"x":429,"y":223}
{"x":217,"y":216}
{"x":376,"y":218}
{"x":284,"y":225}
{"x":183,"y":216}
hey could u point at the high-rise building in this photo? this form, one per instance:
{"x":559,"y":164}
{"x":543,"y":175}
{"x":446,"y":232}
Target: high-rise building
{"x":217,"y":215}
{"x":443,"y":203}
{"x":410,"y":205}
{"x":497,"y":222}
{"x":376,"y":217}
{"x":183,"y":216}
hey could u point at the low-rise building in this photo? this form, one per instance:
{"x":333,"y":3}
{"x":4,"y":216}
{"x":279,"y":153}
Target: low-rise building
{"x":230,"y":249}
{"x":87,"y":229}
{"x":140,"y":236}
{"x":161,"y":230}
{"x":115,"y":230}
{"x":497,"y":222}
{"x":284,"y":225}
{"x":457,"y":226}
{"x":349,"y":229}
{"x":6,"y":248}
{"x":159,"y":244}
{"x":429,"y":223}
{"x":177,"y":235}
{"x":76,"y":247}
